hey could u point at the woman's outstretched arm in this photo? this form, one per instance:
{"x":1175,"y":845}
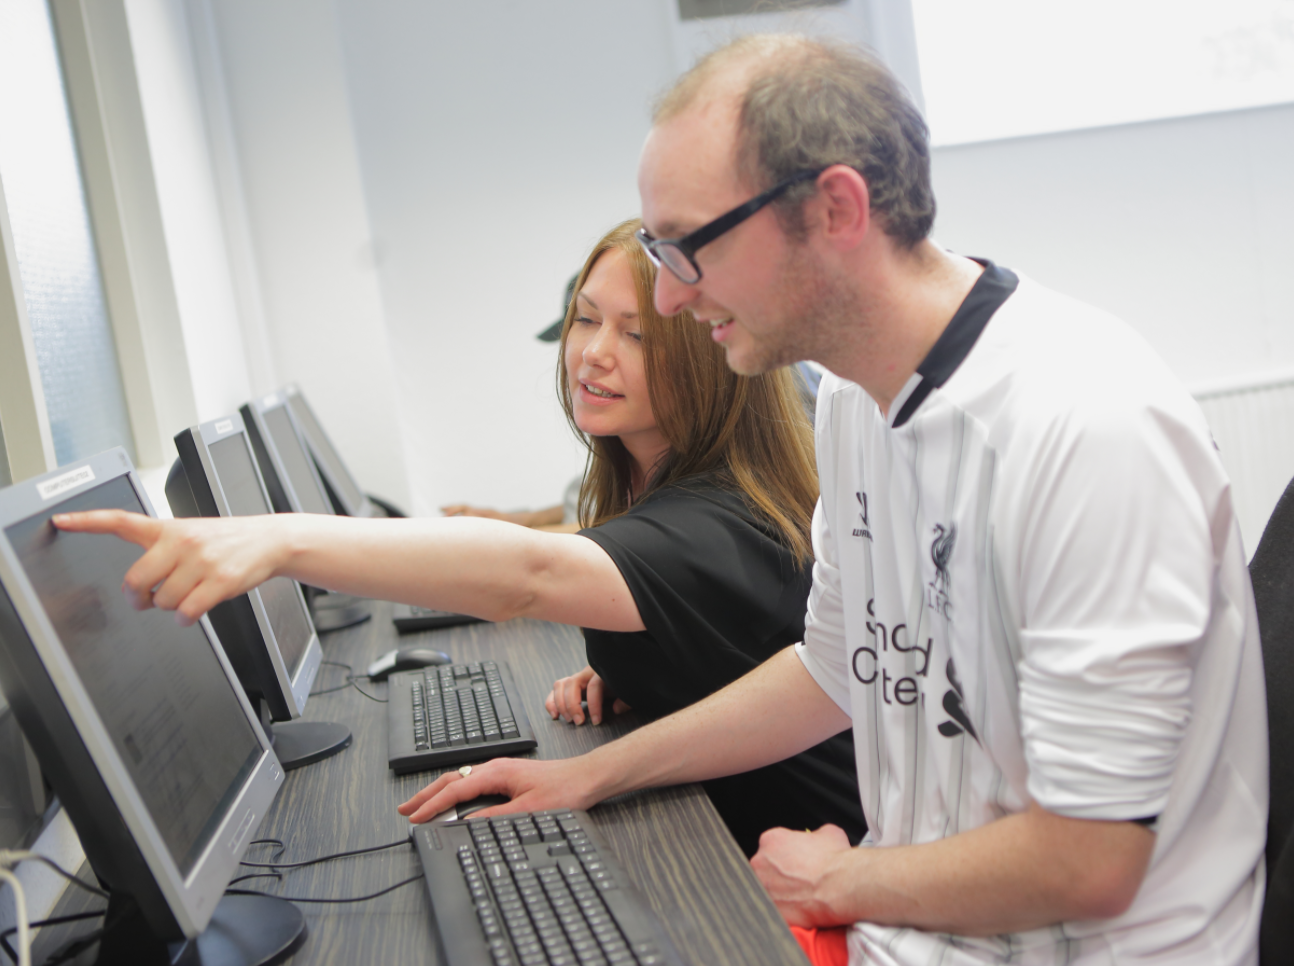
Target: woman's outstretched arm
{"x":486,"y":568}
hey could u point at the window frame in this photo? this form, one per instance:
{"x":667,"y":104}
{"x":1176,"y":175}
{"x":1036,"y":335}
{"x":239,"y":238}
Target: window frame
{"x":102,"y":89}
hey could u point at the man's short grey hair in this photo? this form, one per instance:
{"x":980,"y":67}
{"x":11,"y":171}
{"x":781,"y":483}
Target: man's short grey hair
{"x":806,"y":104}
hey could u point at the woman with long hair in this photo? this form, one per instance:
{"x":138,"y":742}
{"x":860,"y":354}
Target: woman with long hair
{"x":693,"y":567}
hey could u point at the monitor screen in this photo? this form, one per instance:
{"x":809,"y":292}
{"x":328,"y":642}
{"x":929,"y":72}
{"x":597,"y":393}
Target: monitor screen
{"x":164,"y":700}
{"x":296,"y":461}
{"x":338,"y":473}
{"x":233,"y":461}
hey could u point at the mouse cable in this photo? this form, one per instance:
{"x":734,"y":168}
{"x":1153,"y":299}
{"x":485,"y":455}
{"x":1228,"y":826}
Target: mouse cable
{"x":350,"y":679}
{"x":408,"y":840}
{"x":52,"y":921}
{"x":354,"y":683}
{"x":399,"y":885}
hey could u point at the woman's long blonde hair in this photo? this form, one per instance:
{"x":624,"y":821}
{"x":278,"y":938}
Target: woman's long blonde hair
{"x":749,"y":432}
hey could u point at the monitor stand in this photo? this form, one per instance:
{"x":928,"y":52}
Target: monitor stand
{"x":298,"y":743}
{"x":332,"y":612}
{"x":244,"y":931}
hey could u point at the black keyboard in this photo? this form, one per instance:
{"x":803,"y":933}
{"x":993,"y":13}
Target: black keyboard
{"x":408,"y":618}
{"x":442,"y":716}
{"x":535,"y":889}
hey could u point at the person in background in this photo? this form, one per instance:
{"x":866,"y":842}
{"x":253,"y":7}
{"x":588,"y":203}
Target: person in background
{"x":693,"y":567}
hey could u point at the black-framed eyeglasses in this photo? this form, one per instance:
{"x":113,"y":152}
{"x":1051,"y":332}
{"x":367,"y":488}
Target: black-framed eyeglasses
{"x":679,"y":254}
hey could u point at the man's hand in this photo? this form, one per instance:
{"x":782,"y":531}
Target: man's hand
{"x":564,"y":701}
{"x":531,"y":785}
{"x":797,"y":869}
{"x":188,"y":566}
{"x":1024,"y":871}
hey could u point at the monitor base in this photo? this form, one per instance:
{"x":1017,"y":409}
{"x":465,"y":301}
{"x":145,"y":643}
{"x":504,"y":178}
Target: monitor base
{"x":300,"y":743}
{"x":333,"y":611}
{"x":244,"y":931}
{"x":335,"y":618}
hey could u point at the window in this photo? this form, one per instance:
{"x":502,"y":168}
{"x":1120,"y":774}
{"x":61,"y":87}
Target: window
{"x":57,"y":263}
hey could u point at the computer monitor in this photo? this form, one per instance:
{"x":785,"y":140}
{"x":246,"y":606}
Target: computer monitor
{"x":138,"y":723}
{"x":289,"y":471}
{"x":295,"y":486}
{"x":267,"y":632}
{"x":345,"y":492}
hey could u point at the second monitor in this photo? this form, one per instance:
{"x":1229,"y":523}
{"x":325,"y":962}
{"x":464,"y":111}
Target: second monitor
{"x":295,"y":486}
{"x":267,"y":632}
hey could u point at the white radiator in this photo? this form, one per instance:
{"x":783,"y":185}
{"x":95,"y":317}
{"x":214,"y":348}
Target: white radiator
{"x":1253,"y":425}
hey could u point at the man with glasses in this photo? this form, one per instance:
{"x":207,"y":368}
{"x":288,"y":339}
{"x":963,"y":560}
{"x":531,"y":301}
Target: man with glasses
{"x":1029,"y":599}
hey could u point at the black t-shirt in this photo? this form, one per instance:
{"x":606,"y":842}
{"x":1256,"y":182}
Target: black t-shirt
{"x":718,"y":595}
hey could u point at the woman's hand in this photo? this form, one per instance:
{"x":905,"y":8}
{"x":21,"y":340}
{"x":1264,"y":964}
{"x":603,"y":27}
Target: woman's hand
{"x":564,"y":701}
{"x":189,"y":566}
{"x":549,"y":516}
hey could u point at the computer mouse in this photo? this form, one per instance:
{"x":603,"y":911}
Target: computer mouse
{"x":465,"y":809}
{"x":406,"y":659}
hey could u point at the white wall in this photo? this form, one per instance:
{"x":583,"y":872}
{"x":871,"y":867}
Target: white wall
{"x":1184,"y":228}
{"x":497,"y":141}
{"x":191,"y":218}
{"x":308,"y":225}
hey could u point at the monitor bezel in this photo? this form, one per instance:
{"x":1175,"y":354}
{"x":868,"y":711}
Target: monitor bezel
{"x":321,"y":451}
{"x":189,"y":901}
{"x":256,"y":409}
{"x":294,"y":691}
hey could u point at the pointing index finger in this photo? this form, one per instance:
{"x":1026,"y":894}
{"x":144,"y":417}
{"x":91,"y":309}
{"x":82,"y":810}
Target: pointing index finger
{"x":135,"y":527}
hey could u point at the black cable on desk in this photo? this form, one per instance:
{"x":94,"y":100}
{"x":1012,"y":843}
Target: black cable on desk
{"x":88,"y":887}
{"x":256,"y":875}
{"x":398,"y":885}
{"x":75,"y":948}
{"x":52,"y":921}
{"x":277,"y":842}
{"x":351,"y":682}
{"x":328,"y":858}
{"x":350,"y":679}
{"x":355,"y":685}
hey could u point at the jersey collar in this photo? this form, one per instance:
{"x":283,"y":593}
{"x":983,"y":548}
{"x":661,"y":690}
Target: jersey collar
{"x":991,"y":289}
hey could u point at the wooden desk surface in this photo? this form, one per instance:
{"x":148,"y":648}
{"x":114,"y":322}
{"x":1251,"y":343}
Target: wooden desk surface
{"x":671,"y":842}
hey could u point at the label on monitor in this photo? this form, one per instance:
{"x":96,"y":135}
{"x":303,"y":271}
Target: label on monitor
{"x":224,"y":426}
{"x":66,"y":481}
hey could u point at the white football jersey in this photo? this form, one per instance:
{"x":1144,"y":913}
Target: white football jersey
{"x":1030,"y":587}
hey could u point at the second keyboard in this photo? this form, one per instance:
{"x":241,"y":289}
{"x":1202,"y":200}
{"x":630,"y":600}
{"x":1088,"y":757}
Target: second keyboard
{"x":442,"y":716}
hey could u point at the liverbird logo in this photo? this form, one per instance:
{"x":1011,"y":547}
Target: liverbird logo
{"x":941,"y":551}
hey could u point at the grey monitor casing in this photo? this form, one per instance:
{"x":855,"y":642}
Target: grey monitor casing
{"x":76,"y":752}
{"x":302,"y":492}
{"x":243,"y":623}
{"x":347,"y":496}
